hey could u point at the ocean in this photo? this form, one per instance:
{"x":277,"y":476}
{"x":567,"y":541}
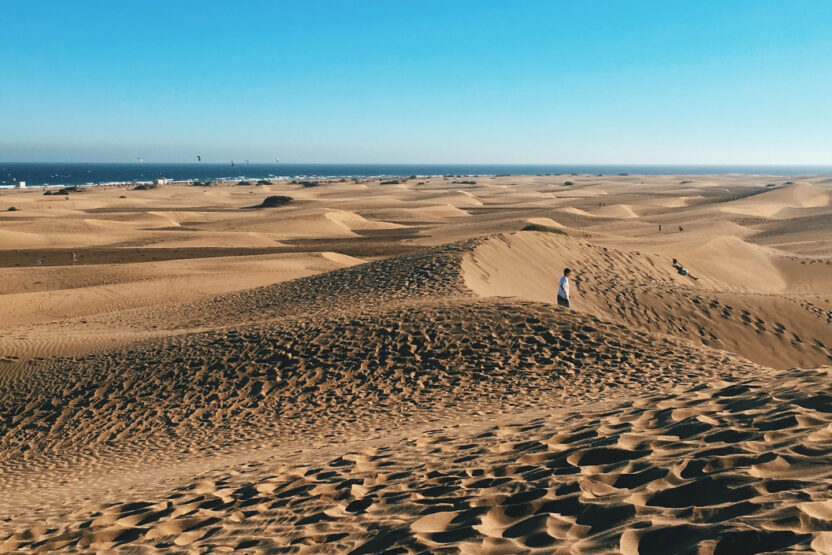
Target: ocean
{"x":44,"y":173}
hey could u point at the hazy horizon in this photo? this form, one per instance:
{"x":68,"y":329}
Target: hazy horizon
{"x":241,"y":162}
{"x":636,"y":83}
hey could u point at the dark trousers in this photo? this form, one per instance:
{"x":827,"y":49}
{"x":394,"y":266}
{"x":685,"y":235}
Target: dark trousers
{"x":563,"y":302}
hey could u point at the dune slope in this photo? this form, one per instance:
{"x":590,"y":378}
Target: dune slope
{"x":643,"y":289}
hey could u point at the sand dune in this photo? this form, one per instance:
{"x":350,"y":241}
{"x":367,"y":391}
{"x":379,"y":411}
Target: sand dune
{"x":86,"y":290}
{"x":392,"y":374}
{"x":581,"y":212}
{"x":175,"y":218}
{"x":619,"y":477}
{"x":776,"y":203}
{"x":621,"y":211}
{"x":546,"y":222}
{"x":352,"y":221}
{"x":20,"y":239}
{"x":636,"y":288}
{"x":438,"y":213}
{"x":751,"y":267}
{"x":673,"y":202}
{"x":799,"y":195}
{"x":287,"y":224}
{"x":459,"y":199}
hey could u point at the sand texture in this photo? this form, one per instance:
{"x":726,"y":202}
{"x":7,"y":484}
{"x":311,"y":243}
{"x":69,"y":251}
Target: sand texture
{"x":383,"y":368}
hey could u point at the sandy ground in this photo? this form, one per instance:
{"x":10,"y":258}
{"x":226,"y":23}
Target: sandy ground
{"x":382,"y":368}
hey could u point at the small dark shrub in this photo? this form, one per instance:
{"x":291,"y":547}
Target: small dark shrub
{"x":568,"y":183}
{"x":390,"y":182}
{"x":265,"y":182}
{"x":467,"y":182}
{"x":275,"y":201}
{"x":202,"y":184}
{"x":543,"y":229}
{"x":47,"y":192}
{"x":67,"y":190}
{"x":244,"y":183}
{"x":12,"y":209}
{"x":306,"y":183}
{"x":145,"y":187}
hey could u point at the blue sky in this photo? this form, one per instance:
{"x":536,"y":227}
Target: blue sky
{"x":695,"y":82}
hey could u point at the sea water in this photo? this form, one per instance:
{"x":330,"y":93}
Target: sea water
{"x":44,"y":173}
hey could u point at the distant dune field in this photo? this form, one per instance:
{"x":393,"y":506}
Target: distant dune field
{"x":384,"y":369}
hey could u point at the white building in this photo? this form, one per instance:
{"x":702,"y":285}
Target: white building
{"x":21,"y":184}
{"x":161,"y":181}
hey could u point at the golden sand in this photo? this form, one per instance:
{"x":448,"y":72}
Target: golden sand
{"x":382,"y":368}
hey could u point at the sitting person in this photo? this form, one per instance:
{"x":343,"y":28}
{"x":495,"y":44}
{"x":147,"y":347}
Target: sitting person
{"x":682,"y":270}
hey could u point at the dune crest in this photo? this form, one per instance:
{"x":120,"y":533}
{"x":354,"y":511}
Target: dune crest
{"x":546,"y":222}
{"x":620,"y":211}
{"x":782,"y":202}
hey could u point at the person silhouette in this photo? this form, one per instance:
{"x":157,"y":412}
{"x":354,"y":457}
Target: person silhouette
{"x":563,"y":289}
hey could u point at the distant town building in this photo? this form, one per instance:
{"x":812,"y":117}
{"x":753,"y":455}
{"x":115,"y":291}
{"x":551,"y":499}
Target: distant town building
{"x":21,"y":184}
{"x":161,"y":181}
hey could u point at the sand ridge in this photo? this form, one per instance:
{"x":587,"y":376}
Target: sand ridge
{"x":641,"y":289}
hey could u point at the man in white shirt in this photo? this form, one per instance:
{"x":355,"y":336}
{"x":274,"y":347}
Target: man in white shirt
{"x":563,"y":289}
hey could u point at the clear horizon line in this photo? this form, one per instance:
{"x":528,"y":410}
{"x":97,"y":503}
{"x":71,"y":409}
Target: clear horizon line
{"x":287,"y":163}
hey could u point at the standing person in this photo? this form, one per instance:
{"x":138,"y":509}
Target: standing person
{"x":563,"y":289}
